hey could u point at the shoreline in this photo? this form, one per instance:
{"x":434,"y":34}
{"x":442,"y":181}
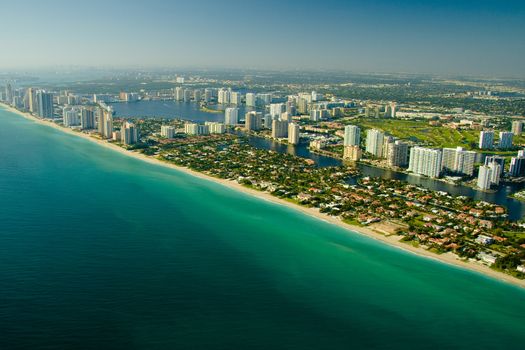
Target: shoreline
{"x":391,"y":240}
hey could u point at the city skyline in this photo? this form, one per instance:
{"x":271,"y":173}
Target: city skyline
{"x":445,"y":37}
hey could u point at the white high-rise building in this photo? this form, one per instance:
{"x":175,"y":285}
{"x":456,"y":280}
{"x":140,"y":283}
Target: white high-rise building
{"x":253,"y":121}
{"x":486,"y":139}
{"x":293,"y":133}
{"x":87,"y":119}
{"x":70,"y":117}
{"x":251,"y":99}
{"x":105,"y":121}
{"x":484,"y":177}
{"x":231,"y":116}
{"x":44,"y":104}
{"x":352,"y":135}
{"x":517,"y":127}
{"x":167,"y":131}
{"x":215,"y":127}
{"x":179,"y":93}
{"x":276,"y":109}
{"x":129,"y":134}
{"x":315,"y":115}
{"x":374,"y":142}
{"x":425,"y":161}
{"x":505,"y":139}
{"x":223,"y":96}
{"x":458,"y":160}
{"x":208,"y":95}
{"x":235,"y":98}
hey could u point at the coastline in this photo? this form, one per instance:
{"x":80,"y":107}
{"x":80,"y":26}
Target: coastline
{"x":392,"y":240}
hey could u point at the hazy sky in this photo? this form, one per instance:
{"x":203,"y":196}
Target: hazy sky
{"x":440,"y":36}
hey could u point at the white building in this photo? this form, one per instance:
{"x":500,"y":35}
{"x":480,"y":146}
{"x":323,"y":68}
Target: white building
{"x":167,"y":131}
{"x":293,"y":133}
{"x":505,"y":139}
{"x":279,"y":129}
{"x":486,"y":139}
{"x":458,"y":160}
{"x":425,"y":161}
{"x":70,"y":117}
{"x":215,"y":127}
{"x":231,"y":116}
{"x":352,"y":135}
{"x":374,"y":142}
{"x":276,"y":109}
{"x":253,"y":121}
{"x":484,"y":176}
{"x":397,"y":154}
{"x":251,"y":99}
{"x":129,"y":134}
{"x":517,"y":127}
{"x":87,"y":119}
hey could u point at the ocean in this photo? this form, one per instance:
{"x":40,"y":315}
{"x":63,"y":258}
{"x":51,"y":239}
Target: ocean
{"x":99,"y":250}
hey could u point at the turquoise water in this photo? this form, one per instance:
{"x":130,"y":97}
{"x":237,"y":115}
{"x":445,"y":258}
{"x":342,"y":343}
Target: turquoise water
{"x":99,"y":250}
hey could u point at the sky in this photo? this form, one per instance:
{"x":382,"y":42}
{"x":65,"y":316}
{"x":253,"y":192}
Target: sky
{"x":441,"y":36}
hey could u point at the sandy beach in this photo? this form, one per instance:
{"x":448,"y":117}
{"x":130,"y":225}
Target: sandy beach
{"x":392,"y":240}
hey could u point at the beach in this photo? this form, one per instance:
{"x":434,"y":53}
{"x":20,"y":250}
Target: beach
{"x":391,"y":240}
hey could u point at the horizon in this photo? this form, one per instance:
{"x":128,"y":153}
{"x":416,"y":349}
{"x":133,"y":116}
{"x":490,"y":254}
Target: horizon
{"x":449,"y":38}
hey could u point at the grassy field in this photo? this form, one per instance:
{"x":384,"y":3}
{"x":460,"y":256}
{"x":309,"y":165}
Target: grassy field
{"x":422,"y":132}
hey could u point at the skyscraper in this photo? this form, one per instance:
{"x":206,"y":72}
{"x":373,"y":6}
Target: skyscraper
{"x":70,"y":117}
{"x":517,"y":166}
{"x":352,"y":135}
{"x":397,"y":154}
{"x":45,"y":104}
{"x":496,"y":159}
{"x":129,"y":134}
{"x":31,"y":99}
{"x":484,"y":177}
{"x":293,"y":133}
{"x":231,"y":116}
{"x":105,"y":121}
{"x":486,"y":139}
{"x":458,"y":160}
{"x":279,"y":129}
{"x":517,"y":127}
{"x":253,"y":121}
{"x":276,"y":109}
{"x":179,"y":93}
{"x":374,"y":142}
{"x":87,"y":119}
{"x":251,"y":99}
{"x":505,"y":139}
{"x":167,"y":131}
{"x":425,"y":161}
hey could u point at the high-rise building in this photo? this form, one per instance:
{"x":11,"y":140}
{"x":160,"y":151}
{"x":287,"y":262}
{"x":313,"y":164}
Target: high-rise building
{"x":196,"y":129}
{"x":9,"y":94}
{"x":208,"y":95}
{"x":167,"y":131}
{"x":105,"y":121}
{"x":352,"y":153}
{"x":197,"y":95}
{"x":253,"y":121}
{"x":458,"y":160}
{"x":316,"y":115}
{"x":31,"y":100}
{"x":224,"y":96}
{"x":397,"y":154}
{"x":279,"y":129}
{"x":286,"y":117}
{"x":251,"y":100}
{"x":231,"y":116}
{"x":70,"y":117}
{"x":129,"y":134}
{"x":276,"y":109}
{"x":517,"y":166}
{"x":215,"y":127}
{"x":496,"y":159}
{"x":179,"y":93}
{"x":496,"y":172}
{"x":374,"y":142}
{"x":484,"y":177}
{"x":425,"y":161}
{"x":486,"y":139}
{"x":187,"y":95}
{"x":293,"y":133}
{"x":45,"y":104}
{"x":235,"y":98}
{"x":505,"y":139}
{"x":87,"y":119}
{"x":517,"y":127}
{"x":352,"y":135}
